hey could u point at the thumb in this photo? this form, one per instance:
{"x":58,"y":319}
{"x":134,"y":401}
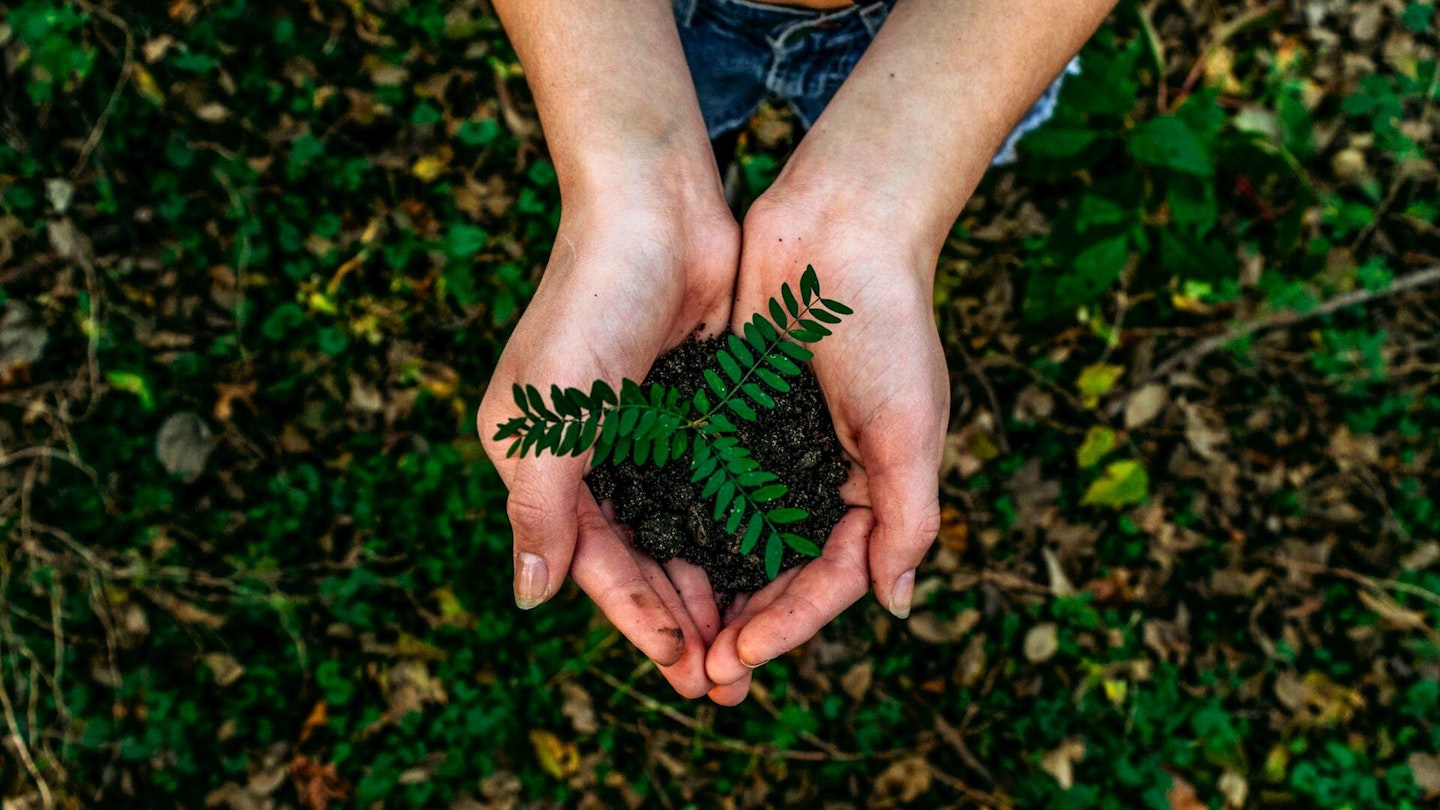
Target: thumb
{"x":905,"y":496}
{"x":542,"y":509}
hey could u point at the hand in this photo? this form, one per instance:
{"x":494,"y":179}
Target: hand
{"x":884,"y":378}
{"x":631,"y":276}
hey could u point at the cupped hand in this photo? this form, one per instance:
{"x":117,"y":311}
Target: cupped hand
{"x":884,"y":379}
{"x":628,"y":280}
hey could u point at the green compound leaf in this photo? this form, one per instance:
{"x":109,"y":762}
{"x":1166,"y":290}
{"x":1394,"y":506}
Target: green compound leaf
{"x":588,"y":430}
{"x":739,"y":349}
{"x":741,"y":410}
{"x":774,"y":549}
{"x":570,"y":439}
{"x":716,"y":384}
{"x":783,"y":365}
{"x":732,"y":523}
{"x":723,"y":498}
{"x":754,"y":337}
{"x":785,"y":515}
{"x":772,"y":379}
{"x":767,"y":329}
{"x":801,"y":544}
{"x":777,"y":313}
{"x":796,"y":352}
{"x":600,"y":391}
{"x":537,"y":403}
{"x":562,"y":404}
{"x":756,"y":393}
{"x":815,"y":327}
{"x":702,"y":469}
{"x":728,"y":365}
{"x":712,"y":486}
{"x":769,"y":493}
{"x":752,"y":534}
{"x":809,"y":284}
{"x":790,"y":303}
{"x":628,"y":418}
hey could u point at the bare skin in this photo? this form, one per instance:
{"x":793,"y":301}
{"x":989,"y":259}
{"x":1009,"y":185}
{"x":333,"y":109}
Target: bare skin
{"x":867,"y":199}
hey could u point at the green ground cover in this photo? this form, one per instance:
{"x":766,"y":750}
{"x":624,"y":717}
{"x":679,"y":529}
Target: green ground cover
{"x":257,"y":260}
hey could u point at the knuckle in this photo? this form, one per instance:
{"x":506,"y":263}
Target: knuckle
{"x":527,"y":515}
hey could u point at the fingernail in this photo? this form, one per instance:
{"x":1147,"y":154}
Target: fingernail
{"x":532,"y":581}
{"x":755,"y":666}
{"x":901,"y":593}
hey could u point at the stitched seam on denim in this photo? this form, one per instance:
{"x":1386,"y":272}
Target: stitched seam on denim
{"x":874,"y":16}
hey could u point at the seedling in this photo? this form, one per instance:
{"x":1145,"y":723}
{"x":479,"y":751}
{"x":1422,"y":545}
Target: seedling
{"x":659,"y":425}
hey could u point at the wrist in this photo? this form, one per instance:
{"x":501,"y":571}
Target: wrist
{"x":844,"y":213}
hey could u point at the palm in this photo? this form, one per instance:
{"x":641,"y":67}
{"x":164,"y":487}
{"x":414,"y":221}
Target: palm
{"x":615,"y":296}
{"x":884,"y":381}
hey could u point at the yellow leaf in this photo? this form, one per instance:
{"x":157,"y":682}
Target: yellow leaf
{"x":429,"y":167}
{"x":319,"y":303}
{"x":560,"y":759}
{"x":1096,"y":381}
{"x":1116,"y":690}
{"x":1099,"y":441}
{"x":1124,"y":483}
{"x":146,"y":86}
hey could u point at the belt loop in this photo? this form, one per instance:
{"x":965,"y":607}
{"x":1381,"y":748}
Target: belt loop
{"x":873,"y":15}
{"x":684,"y":11}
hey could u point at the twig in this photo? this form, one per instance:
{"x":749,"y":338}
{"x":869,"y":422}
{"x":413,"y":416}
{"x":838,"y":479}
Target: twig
{"x":93,"y":140}
{"x":979,"y":374}
{"x":1277,"y":320}
{"x":987,"y":800}
{"x":956,"y":739}
{"x":22,"y":749}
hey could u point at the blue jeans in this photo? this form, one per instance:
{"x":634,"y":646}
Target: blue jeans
{"x":741,"y":52}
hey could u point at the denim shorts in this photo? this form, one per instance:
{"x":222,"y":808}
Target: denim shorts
{"x":741,"y":52}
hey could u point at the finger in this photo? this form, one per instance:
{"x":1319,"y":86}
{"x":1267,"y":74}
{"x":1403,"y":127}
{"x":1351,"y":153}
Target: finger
{"x":821,"y":591}
{"x":905,"y":494}
{"x":723,"y":663}
{"x":732,"y":694}
{"x":686,"y":675}
{"x":605,"y":569}
{"x":736,"y":608}
{"x":541,"y":507}
{"x":693,"y":585}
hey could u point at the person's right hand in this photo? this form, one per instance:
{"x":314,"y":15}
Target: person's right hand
{"x":633,"y":274}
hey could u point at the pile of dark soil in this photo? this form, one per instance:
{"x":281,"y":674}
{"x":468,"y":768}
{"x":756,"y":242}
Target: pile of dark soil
{"x":795,"y":440}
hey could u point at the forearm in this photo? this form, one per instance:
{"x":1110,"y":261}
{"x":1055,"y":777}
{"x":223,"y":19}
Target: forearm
{"x":916,"y":124}
{"x":614,"y":92}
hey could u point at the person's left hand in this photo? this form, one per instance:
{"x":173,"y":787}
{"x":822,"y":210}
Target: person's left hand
{"x":884,"y":379}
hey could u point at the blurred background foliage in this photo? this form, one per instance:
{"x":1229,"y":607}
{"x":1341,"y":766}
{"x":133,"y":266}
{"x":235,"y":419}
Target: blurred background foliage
{"x":257,"y":260}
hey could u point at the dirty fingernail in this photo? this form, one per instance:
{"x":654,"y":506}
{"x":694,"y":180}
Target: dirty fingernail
{"x":901,"y":594}
{"x":532,"y":578}
{"x":754,"y":666}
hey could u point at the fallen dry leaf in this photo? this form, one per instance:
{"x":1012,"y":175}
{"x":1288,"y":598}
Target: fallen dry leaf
{"x":1042,"y":642}
{"x":317,"y":784}
{"x":1060,"y":763}
{"x":1182,"y":795}
{"x":559,"y":758}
